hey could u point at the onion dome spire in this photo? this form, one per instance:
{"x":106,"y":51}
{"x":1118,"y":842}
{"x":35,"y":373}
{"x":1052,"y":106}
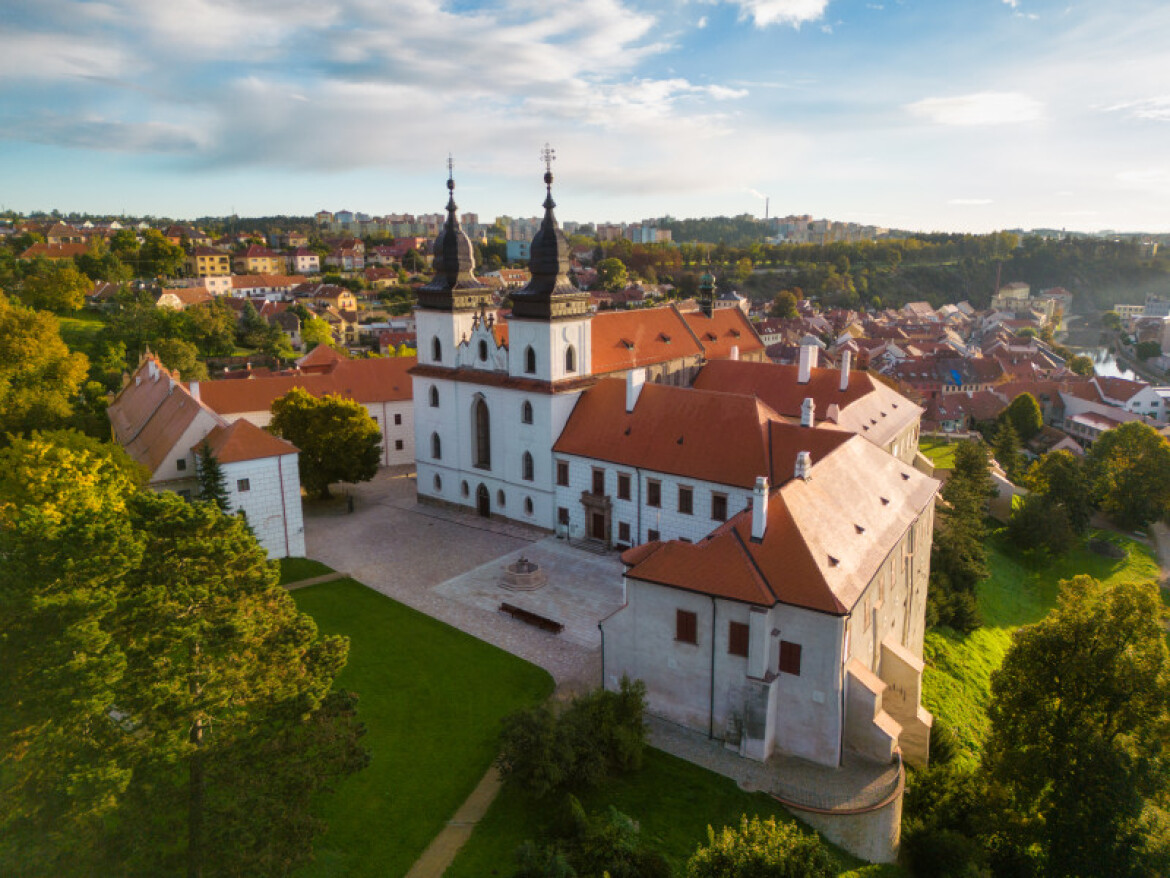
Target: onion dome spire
{"x":454,"y":286}
{"x":550,"y":293}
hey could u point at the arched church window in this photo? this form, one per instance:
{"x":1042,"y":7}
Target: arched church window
{"x":434,"y":397}
{"x":526,"y":413}
{"x":481,"y":422}
{"x":436,"y":447}
{"x":527,"y":468}
{"x":570,"y":359}
{"x":530,"y":360}
{"x":436,"y":350}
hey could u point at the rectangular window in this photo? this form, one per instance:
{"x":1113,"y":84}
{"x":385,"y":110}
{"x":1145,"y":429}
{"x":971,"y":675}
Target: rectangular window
{"x":653,"y":493}
{"x":686,"y":501}
{"x":243,"y":485}
{"x":623,"y":531}
{"x":562,"y":516}
{"x":686,"y":626}
{"x":397,"y":444}
{"x":180,"y":464}
{"x":652,"y":535}
{"x":719,"y":507}
{"x":789,"y":658}
{"x":598,"y":481}
{"x":563,"y":473}
{"x":398,"y":420}
{"x":623,"y":486}
{"x":737,"y":639}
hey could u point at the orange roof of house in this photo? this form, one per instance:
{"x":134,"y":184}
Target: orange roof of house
{"x":151,"y":413}
{"x":249,"y":281}
{"x":321,"y":355}
{"x":55,"y":251}
{"x":243,"y":440}
{"x":188,"y":295}
{"x":724,"y":329}
{"x":629,"y":339}
{"x":670,"y":431}
{"x":366,"y":381}
{"x":825,"y":540}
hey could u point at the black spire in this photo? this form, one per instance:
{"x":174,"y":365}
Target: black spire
{"x":549,"y":294}
{"x":454,"y":286}
{"x":707,"y":291}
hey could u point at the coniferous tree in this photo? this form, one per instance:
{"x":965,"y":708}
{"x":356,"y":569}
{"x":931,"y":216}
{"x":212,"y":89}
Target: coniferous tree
{"x":212,"y":483}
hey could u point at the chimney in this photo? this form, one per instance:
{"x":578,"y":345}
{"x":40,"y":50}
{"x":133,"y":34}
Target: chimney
{"x":735,"y":352}
{"x":846,"y":361}
{"x":803,"y":466}
{"x":635,"y":379}
{"x":760,"y":508}
{"x":807,"y":408}
{"x":807,"y":352}
{"x":193,"y":387}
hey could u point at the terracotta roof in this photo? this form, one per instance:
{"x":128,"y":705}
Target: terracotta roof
{"x":321,"y":355}
{"x":629,"y":339}
{"x":669,"y":431}
{"x":1119,"y":388}
{"x":187,"y":295}
{"x":55,"y":251}
{"x":825,"y":540}
{"x":724,"y":329}
{"x":250,"y":281}
{"x":243,"y":440}
{"x":151,"y":413}
{"x":367,"y":381}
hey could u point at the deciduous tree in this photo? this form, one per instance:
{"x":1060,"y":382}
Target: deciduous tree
{"x":761,"y":848}
{"x":1129,"y":467}
{"x":338,"y":439}
{"x":54,"y":286}
{"x":1025,"y":415}
{"x":1075,"y":755}
{"x":611,"y":274}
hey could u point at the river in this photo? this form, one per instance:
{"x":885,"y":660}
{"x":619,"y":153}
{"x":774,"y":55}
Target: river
{"x":1105,"y":363}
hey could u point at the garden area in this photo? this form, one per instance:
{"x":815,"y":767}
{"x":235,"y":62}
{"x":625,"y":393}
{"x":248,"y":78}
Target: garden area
{"x":431,"y":698}
{"x":939,"y":451}
{"x":1020,"y":590}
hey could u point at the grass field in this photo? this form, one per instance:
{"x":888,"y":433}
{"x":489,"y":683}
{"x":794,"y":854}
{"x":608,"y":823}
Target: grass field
{"x":958,"y":671}
{"x":431,"y":699}
{"x":80,"y":332}
{"x":296,"y":569}
{"x":940,"y":452}
{"x":672,"y":800}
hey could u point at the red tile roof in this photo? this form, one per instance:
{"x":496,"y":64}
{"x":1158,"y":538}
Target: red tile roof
{"x":55,"y":251}
{"x":724,"y":329}
{"x":151,"y":413}
{"x":824,"y":542}
{"x":243,"y":440}
{"x":625,"y":340}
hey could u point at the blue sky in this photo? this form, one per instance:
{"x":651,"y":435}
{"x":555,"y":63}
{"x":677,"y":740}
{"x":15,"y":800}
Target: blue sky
{"x":923,"y":114}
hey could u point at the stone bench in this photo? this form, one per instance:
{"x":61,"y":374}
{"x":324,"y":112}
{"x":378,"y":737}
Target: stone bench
{"x":532,"y":618}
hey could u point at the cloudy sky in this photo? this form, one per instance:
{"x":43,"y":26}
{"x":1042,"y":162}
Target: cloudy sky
{"x":924,"y":114}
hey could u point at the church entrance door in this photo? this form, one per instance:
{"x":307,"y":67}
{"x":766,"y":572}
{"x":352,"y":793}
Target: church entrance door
{"x":483,"y":501}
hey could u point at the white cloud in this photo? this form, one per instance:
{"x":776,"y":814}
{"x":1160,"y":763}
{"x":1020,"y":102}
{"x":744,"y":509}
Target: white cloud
{"x":43,"y":56}
{"x":1155,"y":109}
{"x":969,"y":201}
{"x":790,"y":12}
{"x":1012,"y":3}
{"x":982,"y":108}
{"x":702,"y":23}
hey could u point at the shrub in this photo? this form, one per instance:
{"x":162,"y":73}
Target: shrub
{"x":761,"y":849}
{"x":943,"y":853}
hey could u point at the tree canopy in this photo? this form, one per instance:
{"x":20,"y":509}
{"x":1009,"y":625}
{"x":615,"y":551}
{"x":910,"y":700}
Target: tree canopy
{"x":611,"y":274}
{"x":54,"y":286}
{"x":1075,"y":757}
{"x":1129,"y":467}
{"x":761,"y":848}
{"x":1025,"y":416}
{"x":338,"y":439}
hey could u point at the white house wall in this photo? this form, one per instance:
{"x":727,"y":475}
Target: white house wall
{"x":272,"y":503}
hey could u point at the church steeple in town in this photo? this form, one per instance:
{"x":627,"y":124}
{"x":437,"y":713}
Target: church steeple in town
{"x":549,"y":295}
{"x":707,"y":292}
{"x":454,"y":287}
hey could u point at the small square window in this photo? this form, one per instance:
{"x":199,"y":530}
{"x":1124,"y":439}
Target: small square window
{"x":789,"y":658}
{"x":686,"y":501}
{"x":563,"y":473}
{"x":623,"y":486}
{"x":686,"y":626}
{"x":562,"y":516}
{"x":243,"y":485}
{"x":624,"y":531}
{"x":653,"y":535}
{"x":719,"y":507}
{"x":653,"y":493}
{"x":180,"y":464}
{"x":397,"y":444}
{"x":398,"y":420}
{"x":737,"y":639}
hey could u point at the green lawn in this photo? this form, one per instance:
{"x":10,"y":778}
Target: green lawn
{"x":672,"y":800}
{"x":940,"y":452}
{"x":80,"y":332}
{"x":956,"y":681}
{"x":296,"y":569}
{"x":431,"y":698}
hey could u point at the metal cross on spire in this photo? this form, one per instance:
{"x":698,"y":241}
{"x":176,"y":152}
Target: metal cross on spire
{"x":450,"y":166}
{"x":548,"y":155}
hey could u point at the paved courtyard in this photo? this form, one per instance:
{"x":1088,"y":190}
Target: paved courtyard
{"x":450,"y":565}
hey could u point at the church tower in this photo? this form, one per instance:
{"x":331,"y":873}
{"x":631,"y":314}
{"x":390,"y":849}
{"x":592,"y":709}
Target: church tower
{"x":549,"y":330}
{"x":448,"y":305}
